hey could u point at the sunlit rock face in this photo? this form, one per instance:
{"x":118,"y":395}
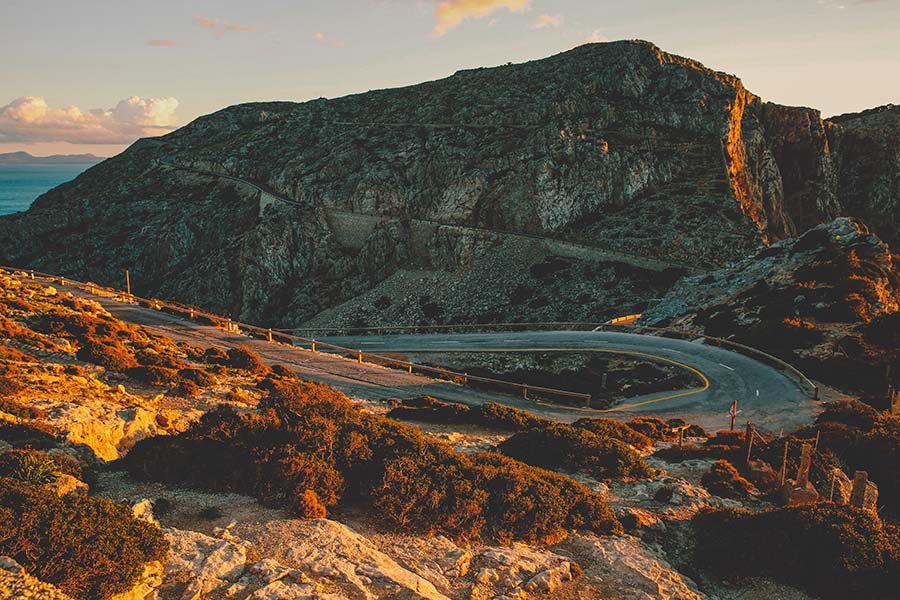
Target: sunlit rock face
{"x":828,"y":300}
{"x":619,"y":147}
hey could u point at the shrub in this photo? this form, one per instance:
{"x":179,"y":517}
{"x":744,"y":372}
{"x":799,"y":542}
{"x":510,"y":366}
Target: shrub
{"x":307,"y":506}
{"x":186,"y":389}
{"x":723,"y":480}
{"x":215,"y":356}
{"x":8,"y":353}
{"x":247,"y":360}
{"x":162,"y":507}
{"x":830,"y":550}
{"x":851,"y":413}
{"x":9,"y":386}
{"x":20,"y":410}
{"x":576,"y":449}
{"x":114,"y":355}
{"x":284,"y":371}
{"x":651,"y":427}
{"x":616,"y":430}
{"x":88,"y":547}
{"x":158,"y":376}
{"x":210,"y":513}
{"x":198,"y":376}
{"x":30,"y":466}
{"x":37,"y":435}
{"x":159,"y":359}
{"x":306,"y":437}
{"x":491,"y":414}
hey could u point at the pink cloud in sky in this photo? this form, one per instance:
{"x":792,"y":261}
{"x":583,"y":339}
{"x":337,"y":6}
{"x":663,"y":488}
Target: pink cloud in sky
{"x":30,"y":119}
{"x":451,"y":13}
{"x":545,"y":21}
{"x":220,"y":27}
{"x":163,"y":43}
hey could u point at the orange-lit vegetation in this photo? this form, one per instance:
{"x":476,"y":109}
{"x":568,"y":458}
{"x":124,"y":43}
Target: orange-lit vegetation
{"x":830,"y":550}
{"x":308,"y":445}
{"x":723,"y":480}
{"x":88,"y":547}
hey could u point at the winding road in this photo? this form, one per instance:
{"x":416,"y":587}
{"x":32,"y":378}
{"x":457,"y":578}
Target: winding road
{"x":765,"y":395}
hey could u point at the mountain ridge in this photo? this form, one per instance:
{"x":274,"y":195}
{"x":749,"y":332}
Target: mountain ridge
{"x":620,"y":146}
{"x":25,"y":158}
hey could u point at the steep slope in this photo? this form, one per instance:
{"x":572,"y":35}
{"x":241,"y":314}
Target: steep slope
{"x":616,"y":149}
{"x":828,"y":301}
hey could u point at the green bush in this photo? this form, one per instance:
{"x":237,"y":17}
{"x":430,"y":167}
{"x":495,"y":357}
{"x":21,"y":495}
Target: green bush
{"x":576,"y":449}
{"x":723,"y":480}
{"x":307,"y":439}
{"x":88,"y":547}
{"x":830,"y":550}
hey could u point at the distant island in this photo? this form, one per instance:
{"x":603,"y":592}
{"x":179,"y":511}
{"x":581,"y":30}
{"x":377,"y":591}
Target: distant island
{"x":24,"y":158}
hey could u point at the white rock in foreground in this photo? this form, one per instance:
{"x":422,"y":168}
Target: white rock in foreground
{"x":628,"y":570}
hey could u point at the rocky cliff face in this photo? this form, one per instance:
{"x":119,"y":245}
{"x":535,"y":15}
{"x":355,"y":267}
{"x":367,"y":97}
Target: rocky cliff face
{"x":617,"y":149}
{"x":828,"y":300}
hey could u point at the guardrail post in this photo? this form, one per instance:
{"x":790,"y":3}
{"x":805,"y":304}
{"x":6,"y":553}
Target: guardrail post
{"x":359,"y":356}
{"x":32,"y":274}
{"x":191,"y":314}
{"x":312,"y":345}
{"x":269,"y":335}
{"x":815,"y":393}
{"x":525,"y":393}
{"x":410,"y":368}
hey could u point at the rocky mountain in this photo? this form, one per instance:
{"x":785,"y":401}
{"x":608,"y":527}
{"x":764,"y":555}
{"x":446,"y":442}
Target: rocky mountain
{"x":575,"y":187}
{"x":828,"y":300}
{"x":24,"y":158}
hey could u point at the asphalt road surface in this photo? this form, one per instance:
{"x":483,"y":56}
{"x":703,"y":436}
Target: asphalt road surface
{"x":765,"y":396}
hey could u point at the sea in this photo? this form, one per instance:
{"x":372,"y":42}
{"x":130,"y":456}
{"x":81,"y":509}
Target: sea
{"x":20,"y":185}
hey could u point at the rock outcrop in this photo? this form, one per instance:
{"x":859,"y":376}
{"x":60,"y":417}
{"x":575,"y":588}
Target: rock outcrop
{"x":16,"y":583}
{"x":828,"y":300}
{"x":409,"y":204}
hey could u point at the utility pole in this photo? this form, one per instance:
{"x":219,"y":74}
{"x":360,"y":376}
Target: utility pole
{"x":733,"y":412}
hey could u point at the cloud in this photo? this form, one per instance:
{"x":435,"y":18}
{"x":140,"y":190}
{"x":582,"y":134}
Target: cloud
{"x":220,"y":27}
{"x":451,"y":13}
{"x":164,"y":43}
{"x":544,"y":21}
{"x":595,"y":37}
{"x":30,"y":119}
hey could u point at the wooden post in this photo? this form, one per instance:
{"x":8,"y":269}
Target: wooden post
{"x":816,"y":447}
{"x":833,"y":480}
{"x":784,"y":465}
{"x":128,"y":282}
{"x":858,"y":493}
{"x":410,"y":368}
{"x":191,"y":314}
{"x":525,"y":393}
{"x":312,"y":345}
{"x":359,"y":357}
{"x":269,"y":335}
{"x":681,"y":437}
{"x":748,"y":441}
{"x":805,"y":463}
{"x":733,"y":413}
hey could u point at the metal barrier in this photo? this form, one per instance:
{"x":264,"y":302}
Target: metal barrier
{"x":312,"y":344}
{"x":309,"y":341}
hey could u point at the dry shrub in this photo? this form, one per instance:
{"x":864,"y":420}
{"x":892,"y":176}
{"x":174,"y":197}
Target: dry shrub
{"x":307,"y":436}
{"x":35,"y":434}
{"x":10,"y":330}
{"x":576,"y":449}
{"x":284,"y":371}
{"x":19,"y":409}
{"x":664,"y":431}
{"x":88,"y":547}
{"x":159,"y":359}
{"x":491,"y":414}
{"x":247,"y":360}
{"x":616,"y":430}
{"x":9,"y":386}
{"x":8,"y":353}
{"x":14,"y":463}
{"x":830,"y":550}
{"x":198,"y":377}
{"x":723,"y":480}
{"x":185,"y":389}
{"x":112,"y":355}
{"x":194,"y":353}
{"x":85,"y":327}
{"x":215,"y":356}
{"x":158,"y":376}
{"x":308,"y":506}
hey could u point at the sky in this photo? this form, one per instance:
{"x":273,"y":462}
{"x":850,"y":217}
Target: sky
{"x":93,"y":76}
